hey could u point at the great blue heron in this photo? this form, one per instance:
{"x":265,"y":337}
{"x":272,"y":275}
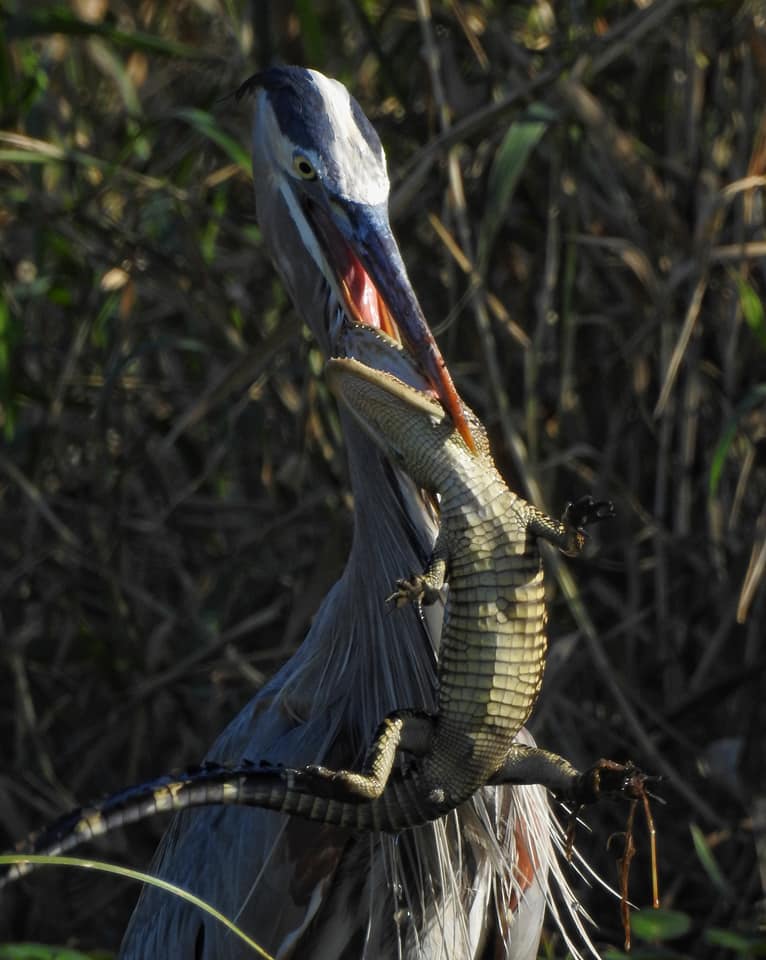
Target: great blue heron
{"x":451,"y":889}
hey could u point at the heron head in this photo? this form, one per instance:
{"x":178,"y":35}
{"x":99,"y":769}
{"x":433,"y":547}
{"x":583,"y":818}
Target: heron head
{"x":321,"y":190}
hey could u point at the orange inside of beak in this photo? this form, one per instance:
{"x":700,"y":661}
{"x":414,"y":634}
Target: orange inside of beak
{"x":363,"y":301}
{"x":365,"y":305}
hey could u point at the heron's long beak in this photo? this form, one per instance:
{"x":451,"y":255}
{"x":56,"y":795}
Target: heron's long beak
{"x":373,"y":281}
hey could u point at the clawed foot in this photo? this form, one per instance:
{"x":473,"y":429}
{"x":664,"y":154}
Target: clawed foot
{"x":344,"y":785}
{"x":414,"y":589}
{"x":323,"y":782}
{"x":580,"y":513}
{"x":316,"y":770}
{"x":609,"y":778}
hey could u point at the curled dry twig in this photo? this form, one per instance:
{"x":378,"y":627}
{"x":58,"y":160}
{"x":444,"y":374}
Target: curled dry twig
{"x":632,"y":783}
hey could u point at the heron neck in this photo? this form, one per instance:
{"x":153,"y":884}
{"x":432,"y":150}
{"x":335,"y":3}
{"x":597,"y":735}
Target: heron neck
{"x":393,"y":530}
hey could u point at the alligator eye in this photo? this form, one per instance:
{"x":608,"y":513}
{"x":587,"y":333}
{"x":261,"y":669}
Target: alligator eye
{"x":303,"y":168}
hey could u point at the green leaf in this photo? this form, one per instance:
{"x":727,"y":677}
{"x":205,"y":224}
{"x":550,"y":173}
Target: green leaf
{"x":22,"y":156}
{"x":644,"y":953}
{"x":28,"y":150}
{"x":752,"y":310}
{"x":205,"y":124}
{"x":58,"y":19}
{"x":510,"y":160}
{"x":754,"y":398}
{"x":7,"y":859}
{"x":730,"y":940}
{"x":709,"y":863}
{"x":660,"y":924}
{"x":110,"y":64}
{"x":311,"y":32}
{"x":39,"y":951}
{"x":10,"y":335}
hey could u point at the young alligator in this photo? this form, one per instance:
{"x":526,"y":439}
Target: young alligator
{"x":490,"y":665}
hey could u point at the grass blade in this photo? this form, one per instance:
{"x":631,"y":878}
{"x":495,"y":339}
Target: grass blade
{"x":10,"y":858}
{"x":509,"y":163}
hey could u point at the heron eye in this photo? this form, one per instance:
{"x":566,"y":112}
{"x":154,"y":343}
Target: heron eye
{"x":303,"y":168}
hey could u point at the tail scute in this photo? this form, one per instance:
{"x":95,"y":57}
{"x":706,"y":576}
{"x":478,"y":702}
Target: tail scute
{"x":285,"y":790}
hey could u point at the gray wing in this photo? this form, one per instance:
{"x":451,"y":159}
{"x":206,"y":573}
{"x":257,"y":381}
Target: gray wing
{"x":271,"y":873}
{"x":284,"y":880}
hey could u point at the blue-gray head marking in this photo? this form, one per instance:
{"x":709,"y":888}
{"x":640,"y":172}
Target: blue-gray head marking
{"x":319,"y":116}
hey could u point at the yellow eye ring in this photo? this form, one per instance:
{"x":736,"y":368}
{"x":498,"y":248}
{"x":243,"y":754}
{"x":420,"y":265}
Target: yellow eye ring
{"x":303,"y":167}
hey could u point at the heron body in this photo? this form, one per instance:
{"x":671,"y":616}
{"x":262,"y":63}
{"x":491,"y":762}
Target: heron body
{"x":443,"y":890}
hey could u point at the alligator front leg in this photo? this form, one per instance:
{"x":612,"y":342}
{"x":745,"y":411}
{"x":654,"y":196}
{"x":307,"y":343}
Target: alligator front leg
{"x":424,"y":587}
{"x":408,"y":730}
{"x":568,"y":534}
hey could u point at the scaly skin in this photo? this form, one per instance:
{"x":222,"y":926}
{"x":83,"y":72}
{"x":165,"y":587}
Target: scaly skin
{"x":494,"y":642}
{"x":491,"y":660}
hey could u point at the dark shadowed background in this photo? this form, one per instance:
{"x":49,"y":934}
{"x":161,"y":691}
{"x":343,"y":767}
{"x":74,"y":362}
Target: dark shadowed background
{"x":578,"y":191}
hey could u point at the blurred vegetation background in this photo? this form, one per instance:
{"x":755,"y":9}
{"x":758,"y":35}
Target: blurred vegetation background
{"x":578,"y":191}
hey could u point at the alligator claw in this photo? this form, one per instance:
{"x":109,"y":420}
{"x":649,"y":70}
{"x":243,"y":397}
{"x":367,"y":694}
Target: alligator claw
{"x":579,"y":513}
{"x":607,"y":777}
{"x":408,"y":590}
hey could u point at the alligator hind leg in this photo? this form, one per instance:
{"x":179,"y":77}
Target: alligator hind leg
{"x":526,"y":765}
{"x":605,"y":778}
{"x":407,"y":730}
{"x":531,"y":765}
{"x":568,"y":534}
